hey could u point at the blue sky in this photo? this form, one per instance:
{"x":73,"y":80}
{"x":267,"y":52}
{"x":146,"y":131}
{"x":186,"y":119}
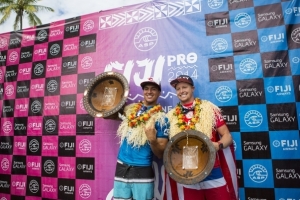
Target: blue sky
{"x":65,"y":9}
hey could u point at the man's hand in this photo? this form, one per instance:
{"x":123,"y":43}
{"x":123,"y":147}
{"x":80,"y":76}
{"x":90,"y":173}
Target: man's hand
{"x":151,"y":131}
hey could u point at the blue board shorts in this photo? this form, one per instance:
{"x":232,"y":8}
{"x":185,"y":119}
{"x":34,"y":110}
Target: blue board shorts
{"x":133,"y":182}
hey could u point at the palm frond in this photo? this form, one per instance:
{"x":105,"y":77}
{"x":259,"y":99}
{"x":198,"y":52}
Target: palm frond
{"x":21,"y":7}
{"x":6,"y":14}
{"x":38,"y":8}
{"x":34,"y":20}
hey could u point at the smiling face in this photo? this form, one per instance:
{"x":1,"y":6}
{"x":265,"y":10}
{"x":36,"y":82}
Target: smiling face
{"x":151,"y":94}
{"x":185,"y":92}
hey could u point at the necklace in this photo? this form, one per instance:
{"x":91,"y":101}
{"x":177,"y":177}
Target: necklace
{"x":134,"y":120}
{"x":184,"y":124}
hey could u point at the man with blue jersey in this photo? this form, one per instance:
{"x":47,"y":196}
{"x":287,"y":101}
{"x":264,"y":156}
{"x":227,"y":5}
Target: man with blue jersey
{"x":193,"y":113}
{"x":143,"y":132}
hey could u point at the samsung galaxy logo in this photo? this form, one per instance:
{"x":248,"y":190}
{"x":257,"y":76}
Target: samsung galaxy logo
{"x":268,"y":17}
{"x":281,"y":118}
{"x":26,"y":54}
{"x":69,"y":47}
{"x":54,"y":67}
{"x":56,"y":33}
{"x":15,"y":41}
{"x":68,"y":84}
{"x":243,"y":43}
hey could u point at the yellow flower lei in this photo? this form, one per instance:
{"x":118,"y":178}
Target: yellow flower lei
{"x":180,"y":116}
{"x":134,"y":121}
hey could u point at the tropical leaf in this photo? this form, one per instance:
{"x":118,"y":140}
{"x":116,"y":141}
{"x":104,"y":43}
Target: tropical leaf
{"x":22,"y":8}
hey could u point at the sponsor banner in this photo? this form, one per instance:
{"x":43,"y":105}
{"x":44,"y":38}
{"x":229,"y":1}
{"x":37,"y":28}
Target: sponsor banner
{"x":243,"y":55}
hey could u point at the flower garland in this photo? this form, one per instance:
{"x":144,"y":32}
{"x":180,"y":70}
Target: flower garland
{"x":134,"y":120}
{"x":182,"y":124}
{"x":136,"y":136}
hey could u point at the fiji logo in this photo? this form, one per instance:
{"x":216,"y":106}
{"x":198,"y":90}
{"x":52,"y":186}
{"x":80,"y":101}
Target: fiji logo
{"x":67,"y":189}
{"x":218,"y":22}
{"x":253,"y":118}
{"x":223,"y":94}
{"x":258,"y":173}
{"x":219,"y":45}
{"x":72,"y":28}
{"x":145,"y":39}
{"x":242,"y":20}
{"x":294,"y":10}
{"x":285,"y":143}
{"x":215,"y":4}
{"x":295,"y":60}
{"x":273,"y":38}
{"x":248,"y":66}
{"x":280,"y":90}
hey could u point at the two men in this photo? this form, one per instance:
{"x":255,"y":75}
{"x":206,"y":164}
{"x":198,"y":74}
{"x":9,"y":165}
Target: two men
{"x":145,"y":131}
